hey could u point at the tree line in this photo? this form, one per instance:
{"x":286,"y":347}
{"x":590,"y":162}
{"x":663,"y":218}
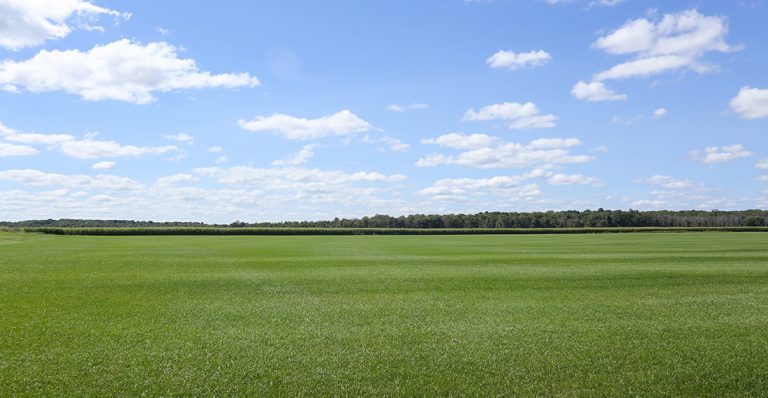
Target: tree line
{"x":599,"y":218}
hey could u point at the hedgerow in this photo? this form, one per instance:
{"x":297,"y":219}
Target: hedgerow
{"x":370,"y":231}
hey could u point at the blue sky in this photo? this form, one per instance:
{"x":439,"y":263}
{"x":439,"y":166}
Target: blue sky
{"x":293,"y":110}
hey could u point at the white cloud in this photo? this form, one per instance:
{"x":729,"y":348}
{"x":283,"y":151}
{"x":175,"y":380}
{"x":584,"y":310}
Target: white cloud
{"x":572,"y":179}
{"x":751,"y":103}
{"x":394,"y":144}
{"x":460,"y":189}
{"x":174,"y":179}
{"x":643,"y":67}
{"x":506,"y":111}
{"x":7,"y":149}
{"x":762,"y":164}
{"x":297,"y":179}
{"x":513,"y":61}
{"x":660,"y":113}
{"x":433,"y":159}
{"x":87,"y":148}
{"x":514,"y":187}
{"x":544,"y":151}
{"x":461,"y":141}
{"x":405,"y":108}
{"x":181,"y":137}
{"x":25,"y":23}
{"x":175,"y":198}
{"x":533,"y":122}
{"x":94,"y":149}
{"x":521,"y":116}
{"x":676,"y":41}
{"x":122,"y":70}
{"x":595,"y":91}
{"x":295,"y":128}
{"x":668,"y":182}
{"x":12,"y":135}
{"x":553,"y":143}
{"x":715,"y":154}
{"x":105,"y":165}
{"x":297,"y":158}
{"x":39,"y":178}
{"x":215,"y":149}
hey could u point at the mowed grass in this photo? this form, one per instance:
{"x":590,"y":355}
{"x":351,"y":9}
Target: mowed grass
{"x":680,"y":314}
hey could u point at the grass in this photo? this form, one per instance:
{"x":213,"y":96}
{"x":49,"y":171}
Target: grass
{"x":662,"y":314}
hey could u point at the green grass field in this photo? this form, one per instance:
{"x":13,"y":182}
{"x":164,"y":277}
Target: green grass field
{"x":664,"y":314}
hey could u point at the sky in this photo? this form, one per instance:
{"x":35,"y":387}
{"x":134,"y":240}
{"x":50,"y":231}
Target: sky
{"x":310,"y":110}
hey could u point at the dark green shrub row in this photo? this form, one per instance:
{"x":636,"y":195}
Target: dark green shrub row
{"x":370,"y":231}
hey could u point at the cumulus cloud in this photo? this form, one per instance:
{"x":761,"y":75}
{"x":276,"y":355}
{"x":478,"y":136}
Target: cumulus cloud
{"x":39,"y":178}
{"x":105,"y":165}
{"x":714,"y":154}
{"x":215,"y":149}
{"x":87,"y":148}
{"x":572,"y":179}
{"x":175,"y":179}
{"x":296,"y":128}
{"x":668,"y":182}
{"x":12,"y":135}
{"x":512,"y":187}
{"x":26,"y":23}
{"x":513,"y":61}
{"x":675,"y":42}
{"x":123,"y":70}
{"x":7,"y":149}
{"x":751,"y":103}
{"x":520,"y":116}
{"x":660,"y":113}
{"x":460,"y":189}
{"x":94,"y":149}
{"x":300,"y":157}
{"x":643,"y":67}
{"x":762,"y":164}
{"x":405,"y":108}
{"x":462,"y":141}
{"x":499,"y":154}
{"x":594,"y":92}
{"x":293,"y":178}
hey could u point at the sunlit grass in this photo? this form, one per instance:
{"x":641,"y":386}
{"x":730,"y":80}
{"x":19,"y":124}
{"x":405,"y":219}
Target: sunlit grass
{"x":605,"y":314}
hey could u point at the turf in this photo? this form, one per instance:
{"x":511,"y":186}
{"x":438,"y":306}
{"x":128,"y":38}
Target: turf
{"x":646,"y":314}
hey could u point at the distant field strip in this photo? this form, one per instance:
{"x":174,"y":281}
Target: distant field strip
{"x":642,"y":314}
{"x":367,"y":231}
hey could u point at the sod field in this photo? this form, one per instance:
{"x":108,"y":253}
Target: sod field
{"x":641,"y":314}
